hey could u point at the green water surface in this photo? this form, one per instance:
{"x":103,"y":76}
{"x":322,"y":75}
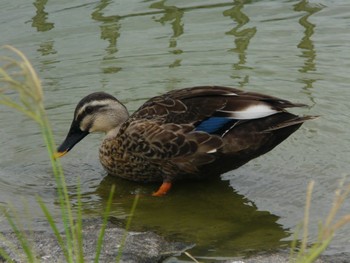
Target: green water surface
{"x":297,"y":50}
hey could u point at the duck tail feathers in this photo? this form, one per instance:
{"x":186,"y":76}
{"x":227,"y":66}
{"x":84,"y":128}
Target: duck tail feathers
{"x":295,"y":121}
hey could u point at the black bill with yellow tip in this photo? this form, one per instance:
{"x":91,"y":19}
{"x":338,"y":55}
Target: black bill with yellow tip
{"x":74,"y":136}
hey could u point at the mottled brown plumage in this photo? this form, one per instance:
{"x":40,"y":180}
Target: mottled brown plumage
{"x":188,"y":133}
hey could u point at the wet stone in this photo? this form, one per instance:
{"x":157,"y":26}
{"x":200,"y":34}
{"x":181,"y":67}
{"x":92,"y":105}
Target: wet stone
{"x":140,"y":247}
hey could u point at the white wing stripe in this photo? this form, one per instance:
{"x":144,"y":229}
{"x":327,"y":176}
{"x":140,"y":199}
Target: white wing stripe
{"x":252,"y":112}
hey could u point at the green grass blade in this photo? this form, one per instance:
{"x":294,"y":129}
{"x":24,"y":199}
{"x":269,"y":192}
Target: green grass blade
{"x":9,"y":103}
{"x":128,"y":224}
{"x":21,"y":238}
{"x":104,"y":224}
{"x":5,"y":256}
{"x":63,"y":196}
{"x":294,"y":243}
{"x":10,"y":245}
{"x":19,"y":75}
{"x":53,"y":226}
{"x":316,"y":251}
{"x":325,"y":230}
{"x":79,"y":227}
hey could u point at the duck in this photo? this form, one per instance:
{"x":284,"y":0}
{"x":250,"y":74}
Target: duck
{"x":188,"y":133}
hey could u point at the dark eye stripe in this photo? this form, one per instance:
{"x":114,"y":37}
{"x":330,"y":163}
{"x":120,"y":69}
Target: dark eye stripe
{"x":89,"y":110}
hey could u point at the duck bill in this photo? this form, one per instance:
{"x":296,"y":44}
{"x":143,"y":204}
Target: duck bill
{"x":74,"y":136}
{"x":57,"y":155}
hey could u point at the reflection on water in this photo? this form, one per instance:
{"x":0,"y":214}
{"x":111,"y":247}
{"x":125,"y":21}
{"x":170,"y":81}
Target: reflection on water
{"x":208,"y":213}
{"x":39,"y":21}
{"x":241,"y":38}
{"x":174,"y":15}
{"x":47,"y":48}
{"x":306,"y":44}
{"x":109,"y":27}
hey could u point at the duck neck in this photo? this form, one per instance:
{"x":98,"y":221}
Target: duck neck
{"x":117,"y":118}
{"x":113,"y":132}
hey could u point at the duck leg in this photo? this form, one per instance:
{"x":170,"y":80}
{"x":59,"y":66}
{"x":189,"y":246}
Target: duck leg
{"x":163,"y":189}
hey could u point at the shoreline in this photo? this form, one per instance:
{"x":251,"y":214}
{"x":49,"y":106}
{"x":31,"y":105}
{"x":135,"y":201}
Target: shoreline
{"x":140,"y":247}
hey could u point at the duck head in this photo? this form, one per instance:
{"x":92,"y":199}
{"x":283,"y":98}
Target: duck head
{"x":97,"y":112}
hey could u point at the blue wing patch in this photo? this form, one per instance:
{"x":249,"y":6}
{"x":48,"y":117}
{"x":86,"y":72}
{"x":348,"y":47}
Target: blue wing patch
{"x":213,"y":124}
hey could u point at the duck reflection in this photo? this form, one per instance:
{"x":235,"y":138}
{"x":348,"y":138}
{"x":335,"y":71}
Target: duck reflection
{"x":210,"y":214}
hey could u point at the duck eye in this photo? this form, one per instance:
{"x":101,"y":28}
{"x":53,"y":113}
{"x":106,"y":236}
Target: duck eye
{"x":89,"y":109}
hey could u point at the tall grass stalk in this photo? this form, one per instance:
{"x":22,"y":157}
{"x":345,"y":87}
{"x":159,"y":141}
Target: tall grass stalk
{"x":327,"y":229}
{"x":18,"y":77}
{"x":20,"y":88}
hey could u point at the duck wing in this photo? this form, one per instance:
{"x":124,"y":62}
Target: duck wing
{"x":185,"y":130}
{"x":211,"y":109}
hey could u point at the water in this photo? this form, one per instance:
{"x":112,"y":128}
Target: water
{"x":296,"y":50}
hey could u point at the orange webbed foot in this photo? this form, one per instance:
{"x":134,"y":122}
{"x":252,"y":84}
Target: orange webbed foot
{"x":163,"y":189}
